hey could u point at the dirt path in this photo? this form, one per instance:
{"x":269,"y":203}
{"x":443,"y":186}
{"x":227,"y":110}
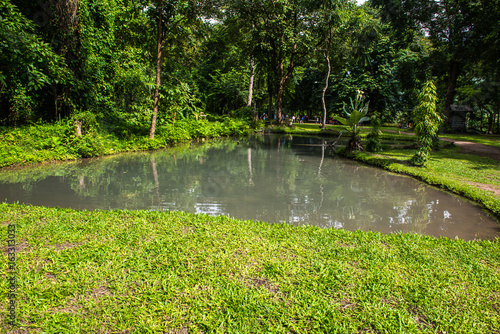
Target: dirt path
{"x":475,"y":148}
{"x":469,"y":147}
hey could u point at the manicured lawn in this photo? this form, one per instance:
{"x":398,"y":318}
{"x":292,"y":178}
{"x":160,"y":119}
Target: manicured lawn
{"x":144,"y":271}
{"x":334,"y":130}
{"x":491,"y":140}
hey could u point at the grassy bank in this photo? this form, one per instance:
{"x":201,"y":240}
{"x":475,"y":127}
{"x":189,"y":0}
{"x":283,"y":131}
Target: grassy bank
{"x":474,"y":177}
{"x":314,"y":129}
{"x":57,"y":142}
{"x":491,"y":140}
{"x":143,"y":271}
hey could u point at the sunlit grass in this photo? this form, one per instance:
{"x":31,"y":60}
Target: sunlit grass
{"x":334,"y":130}
{"x":144,"y":271}
{"x":491,"y":140}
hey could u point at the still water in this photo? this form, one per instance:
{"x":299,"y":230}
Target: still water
{"x":268,"y":178}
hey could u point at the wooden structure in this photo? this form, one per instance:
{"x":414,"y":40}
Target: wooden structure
{"x":458,"y":117}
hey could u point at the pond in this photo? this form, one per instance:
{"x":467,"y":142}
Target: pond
{"x":270,"y":178}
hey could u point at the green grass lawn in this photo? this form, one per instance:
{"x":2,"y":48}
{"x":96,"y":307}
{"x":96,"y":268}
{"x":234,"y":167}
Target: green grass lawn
{"x":144,"y":271}
{"x":305,"y":128}
{"x":491,"y":140}
{"x":334,"y":130}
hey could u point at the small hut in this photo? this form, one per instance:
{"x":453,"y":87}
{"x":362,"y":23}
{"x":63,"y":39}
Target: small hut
{"x":458,"y":117}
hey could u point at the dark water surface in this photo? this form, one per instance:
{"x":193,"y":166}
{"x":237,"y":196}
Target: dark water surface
{"x":268,"y":178}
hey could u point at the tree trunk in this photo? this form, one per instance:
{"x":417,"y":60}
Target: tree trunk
{"x":498,"y":122}
{"x":491,"y":121}
{"x":270,"y":89}
{"x":279,"y":99}
{"x":453,"y":73}
{"x":54,"y":92}
{"x":327,"y":56}
{"x":159,"y":57}
{"x":482,"y":117}
{"x":250,"y":83}
{"x":78,"y":131}
{"x":283,"y":79}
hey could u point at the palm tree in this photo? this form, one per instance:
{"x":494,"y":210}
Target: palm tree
{"x":356,"y":114}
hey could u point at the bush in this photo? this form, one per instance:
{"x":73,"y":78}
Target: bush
{"x":373,"y":138}
{"x":88,"y":146}
{"x":427,"y":121}
{"x":45,"y":142}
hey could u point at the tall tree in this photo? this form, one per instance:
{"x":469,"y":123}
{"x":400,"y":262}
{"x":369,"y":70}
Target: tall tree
{"x":452,"y":26}
{"x":169,"y":17}
{"x":173,"y":20}
{"x":284,"y":38}
{"x":332,"y":24}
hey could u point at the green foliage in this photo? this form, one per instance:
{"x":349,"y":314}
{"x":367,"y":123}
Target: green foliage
{"x":373,"y":138}
{"x":28,"y":67}
{"x":47,"y":142}
{"x":178,"y":101}
{"x":356,"y":114}
{"x":89,"y":121}
{"x":427,"y":121}
{"x":88,"y":146}
{"x":226,"y":91}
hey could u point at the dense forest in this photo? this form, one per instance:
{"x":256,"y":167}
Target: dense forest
{"x":133,"y":65}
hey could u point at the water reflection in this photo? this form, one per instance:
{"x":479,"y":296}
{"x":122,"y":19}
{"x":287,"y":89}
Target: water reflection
{"x":268,"y":178}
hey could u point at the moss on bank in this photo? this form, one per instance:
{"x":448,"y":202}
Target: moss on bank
{"x":147,"y":271}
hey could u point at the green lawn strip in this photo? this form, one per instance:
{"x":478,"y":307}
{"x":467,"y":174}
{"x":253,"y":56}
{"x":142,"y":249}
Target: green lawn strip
{"x":147,"y":271}
{"x":463,"y":174}
{"x":491,"y":140}
{"x":334,"y":130}
{"x":305,"y":128}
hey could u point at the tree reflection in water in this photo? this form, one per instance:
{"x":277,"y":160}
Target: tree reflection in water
{"x":268,"y":178}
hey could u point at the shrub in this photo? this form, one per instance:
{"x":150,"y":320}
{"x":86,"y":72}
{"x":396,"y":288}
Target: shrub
{"x":355,"y":115}
{"x":427,"y":121}
{"x":88,"y":146}
{"x":373,"y":138}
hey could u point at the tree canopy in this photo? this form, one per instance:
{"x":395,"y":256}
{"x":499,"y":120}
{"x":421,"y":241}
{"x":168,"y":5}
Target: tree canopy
{"x":146,"y":63}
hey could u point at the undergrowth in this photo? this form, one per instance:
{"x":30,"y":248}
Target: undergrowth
{"x":53,"y":142}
